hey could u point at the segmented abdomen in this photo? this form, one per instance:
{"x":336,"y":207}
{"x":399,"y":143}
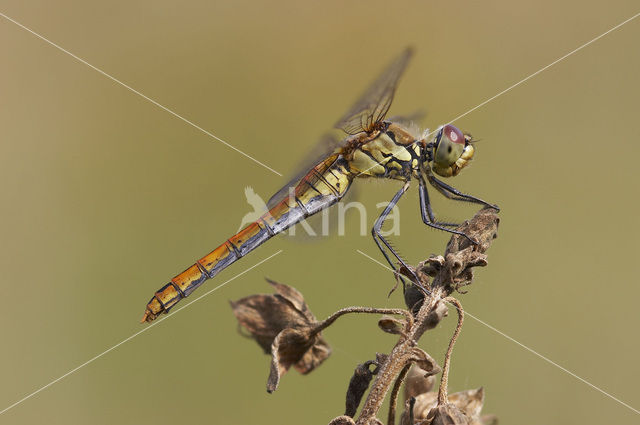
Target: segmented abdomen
{"x":323,"y":186}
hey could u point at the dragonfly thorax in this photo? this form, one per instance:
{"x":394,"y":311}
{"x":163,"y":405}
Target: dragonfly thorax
{"x":392,"y":152}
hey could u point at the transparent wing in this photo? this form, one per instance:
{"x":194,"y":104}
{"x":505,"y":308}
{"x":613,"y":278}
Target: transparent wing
{"x":324,"y":148}
{"x":374,"y":104}
{"x":410,"y":119}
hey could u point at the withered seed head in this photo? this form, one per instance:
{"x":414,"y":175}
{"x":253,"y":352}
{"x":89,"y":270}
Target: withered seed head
{"x":418,"y":381}
{"x":342,"y":420}
{"x":283,"y":325}
{"x":392,"y":325}
{"x":467,"y":403}
{"x":447,"y":414}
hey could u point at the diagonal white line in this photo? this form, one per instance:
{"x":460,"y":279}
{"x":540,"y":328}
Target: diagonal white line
{"x":526,"y":348}
{"x":530,"y":76}
{"x":546,"y":359}
{"x":114,"y":79}
{"x":157,"y":322}
{"x":546,"y":67}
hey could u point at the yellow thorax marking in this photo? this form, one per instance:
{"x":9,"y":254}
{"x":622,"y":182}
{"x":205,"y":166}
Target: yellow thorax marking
{"x":379,"y":148}
{"x":384,"y":145}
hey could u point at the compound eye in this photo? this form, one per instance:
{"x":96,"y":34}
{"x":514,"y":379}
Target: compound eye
{"x":450,"y":146}
{"x":454,"y":134}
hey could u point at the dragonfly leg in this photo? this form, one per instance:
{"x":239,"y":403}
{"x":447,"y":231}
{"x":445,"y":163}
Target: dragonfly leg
{"x":428,"y":217}
{"x":453,"y":193}
{"x":381,"y":242}
{"x":426,"y":211}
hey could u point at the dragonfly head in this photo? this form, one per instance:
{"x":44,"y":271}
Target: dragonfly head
{"x":452,"y":151}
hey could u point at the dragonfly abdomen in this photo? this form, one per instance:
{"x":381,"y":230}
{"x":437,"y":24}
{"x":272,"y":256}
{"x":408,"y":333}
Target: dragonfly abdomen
{"x":207,"y":267}
{"x":323,"y":186}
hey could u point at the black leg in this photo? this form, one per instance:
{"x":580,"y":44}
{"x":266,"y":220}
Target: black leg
{"x":427,"y":214}
{"x":425,"y":208}
{"x":380,"y":240}
{"x":453,"y":193}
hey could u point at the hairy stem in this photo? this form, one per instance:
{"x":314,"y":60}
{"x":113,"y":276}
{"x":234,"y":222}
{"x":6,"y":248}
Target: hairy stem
{"x":444,"y":380}
{"x":366,"y":310}
{"x":394,"y":395}
{"x":400,"y":357}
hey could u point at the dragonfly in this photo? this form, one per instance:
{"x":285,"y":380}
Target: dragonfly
{"x":374,"y":147}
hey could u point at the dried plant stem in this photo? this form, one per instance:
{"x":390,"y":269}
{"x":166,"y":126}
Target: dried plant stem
{"x":444,"y":380}
{"x":366,"y":310}
{"x":449,"y":272}
{"x":394,"y":395}
{"x":283,"y":324}
{"x":400,"y":356}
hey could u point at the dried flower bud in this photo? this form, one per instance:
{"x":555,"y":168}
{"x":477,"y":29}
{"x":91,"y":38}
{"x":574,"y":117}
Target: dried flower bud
{"x":483,"y":228}
{"x":358,"y":384}
{"x":391,"y":325}
{"x":418,"y":381}
{"x":435,"y":316}
{"x":422,"y":405}
{"x":283,"y":325}
{"x":447,"y":414}
{"x":455,"y":268}
{"x":413,"y":296}
{"x":342,"y":420}
{"x":425,"y":361}
{"x":468,"y":403}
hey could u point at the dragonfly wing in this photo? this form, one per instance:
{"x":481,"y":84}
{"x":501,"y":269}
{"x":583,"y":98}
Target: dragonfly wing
{"x":324,"y":148}
{"x":374,"y":104}
{"x":409,"y":119}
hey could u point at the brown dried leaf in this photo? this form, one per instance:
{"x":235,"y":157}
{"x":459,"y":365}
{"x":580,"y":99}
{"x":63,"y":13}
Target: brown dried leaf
{"x":292,"y":295}
{"x":265,"y":316}
{"x":314,"y":356}
{"x":283,"y":325}
{"x":301,"y":348}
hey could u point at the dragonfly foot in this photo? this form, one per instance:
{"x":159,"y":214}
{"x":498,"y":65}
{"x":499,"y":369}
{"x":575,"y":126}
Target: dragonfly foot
{"x":450,"y":224}
{"x":470,"y":239}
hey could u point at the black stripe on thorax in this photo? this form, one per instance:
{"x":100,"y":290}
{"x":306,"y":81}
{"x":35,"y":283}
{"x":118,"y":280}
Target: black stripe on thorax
{"x":329,"y":185}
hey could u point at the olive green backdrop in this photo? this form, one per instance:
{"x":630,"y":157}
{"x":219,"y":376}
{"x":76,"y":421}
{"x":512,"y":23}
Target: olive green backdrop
{"x":105,"y":197}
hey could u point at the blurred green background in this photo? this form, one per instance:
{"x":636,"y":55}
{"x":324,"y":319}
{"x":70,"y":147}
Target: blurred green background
{"x":105,"y":197}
